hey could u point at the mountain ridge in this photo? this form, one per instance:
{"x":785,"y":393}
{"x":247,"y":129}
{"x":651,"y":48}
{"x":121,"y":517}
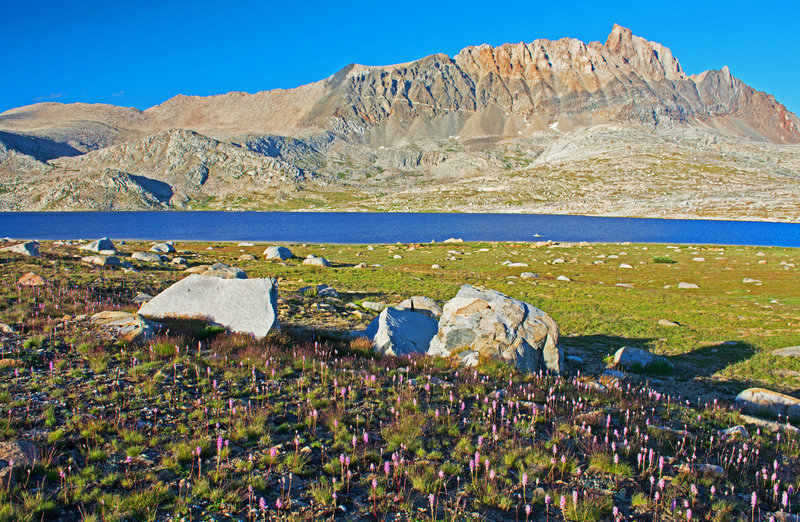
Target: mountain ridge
{"x":432,"y":122}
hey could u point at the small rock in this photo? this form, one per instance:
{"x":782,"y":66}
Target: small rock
{"x":436,"y":267}
{"x":735,"y":431}
{"x":316,"y":261}
{"x":246,"y":257}
{"x":699,"y":259}
{"x":31,"y":279}
{"x":453,"y":240}
{"x":360,"y":265}
{"x":147,"y":257}
{"x":517,"y":265}
{"x":757,"y":400}
{"x":224,"y":271}
{"x":563,"y":278}
{"x":162,"y":248}
{"x":24,"y":456}
{"x":101,"y":260}
{"x":749,"y":280}
{"x":372,"y":305}
{"x":421,"y":304}
{"x":397,"y":256}
{"x":245,"y":244}
{"x":126,"y":325}
{"x":625,"y":265}
{"x":573,"y":360}
{"x":319,"y":291}
{"x":528,"y":275}
{"x":631,"y":358}
{"x":616,"y":374}
{"x":667,"y":323}
{"x":277,"y":252}
{"x":624,"y":285}
{"x":100,"y":244}
{"x":142,"y":298}
{"x":178,"y":261}
{"x":687,"y":285}
{"x":789,"y":351}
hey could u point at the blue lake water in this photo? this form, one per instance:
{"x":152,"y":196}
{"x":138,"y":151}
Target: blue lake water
{"x":328,"y":227}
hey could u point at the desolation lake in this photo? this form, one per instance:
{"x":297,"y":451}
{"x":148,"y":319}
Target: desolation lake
{"x":336,"y":227}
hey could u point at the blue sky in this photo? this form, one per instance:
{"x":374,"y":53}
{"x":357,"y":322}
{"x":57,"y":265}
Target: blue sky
{"x":139,"y":54}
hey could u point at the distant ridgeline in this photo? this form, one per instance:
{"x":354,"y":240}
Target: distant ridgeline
{"x":548,"y":126}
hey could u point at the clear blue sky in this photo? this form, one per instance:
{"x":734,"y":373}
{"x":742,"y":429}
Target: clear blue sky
{"x":139,"y":53}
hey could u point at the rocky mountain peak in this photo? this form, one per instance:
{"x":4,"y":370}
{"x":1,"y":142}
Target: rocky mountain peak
{"x":645,"y":57}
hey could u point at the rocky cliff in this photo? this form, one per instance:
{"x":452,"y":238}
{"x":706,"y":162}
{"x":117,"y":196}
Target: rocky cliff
{"x":372,"y":132}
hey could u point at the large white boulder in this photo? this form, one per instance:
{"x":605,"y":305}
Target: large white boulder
{"x":28,"y":248}
{"x":499,"y":327}
{"x":401,"y":332}
{"x":277,"y":252}
{"x":757,"y":400}
{"x":240,"y":305}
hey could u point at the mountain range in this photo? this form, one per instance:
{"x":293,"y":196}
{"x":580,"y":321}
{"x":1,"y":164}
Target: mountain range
{"x":614,"y":128}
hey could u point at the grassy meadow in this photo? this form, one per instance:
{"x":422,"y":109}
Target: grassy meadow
{"x":308,"y":425}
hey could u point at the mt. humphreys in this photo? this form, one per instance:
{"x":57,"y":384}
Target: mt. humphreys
{"x":549,"y":127}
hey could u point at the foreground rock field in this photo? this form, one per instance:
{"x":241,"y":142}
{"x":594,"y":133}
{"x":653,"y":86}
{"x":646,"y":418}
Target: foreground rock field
{"x":114,"y":417}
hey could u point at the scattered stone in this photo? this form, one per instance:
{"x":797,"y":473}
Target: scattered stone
{"x":596,"y":386}
{"x":735,"y":431}
{"x":360,"y":265}
{"x":517,"y":265}
{"x":558,"y":261}
{"x":163,"y":248}
{"x":624,"y":285}
{"x":24,"y":456}
{"x":401,"y":332}
{"x":142,"y":298}
{"x":245,"y":244}
{"x":179,"y":261}
{"x":749,"y":280}
{"x":760,"y":400}
{"x":101,"y":260}
{"x":615,"y":374}
{"x":563,"y":278}
{"x":499,"y":327}
{"x":199,"y":269}
{"x":147,"y":257}
{"x":687,"y":285}
{"x":573,"y":360}
{"x":421,"y":304}
{"x":4,"y":328}
{"x":246,"y":306}
{"x":316,"y":261}
{"x":247,"y":257}
{"x":397,"y":256}
{"x":632,"y":358}
{"x":278,"y":252}
{"x":768,"y":424}
{"x":224,"y":271}
{"x":100,"y":244}
{"x":469,"y":358}
{"x":436,"y":267}
{"x":528,"y":275}
{"x":702,"y":469}
{"x":667,"y":323}
{"x":625,"y":265}
{"x":126,"y":325}
{"x":372,"y":305}
{"x":453,"y":240}
{"x":31,"y":279}
{"x":320,"y":291}
{"x":28,"y":248}
{"x":699,"y":259}
{"x":789,"y":351}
